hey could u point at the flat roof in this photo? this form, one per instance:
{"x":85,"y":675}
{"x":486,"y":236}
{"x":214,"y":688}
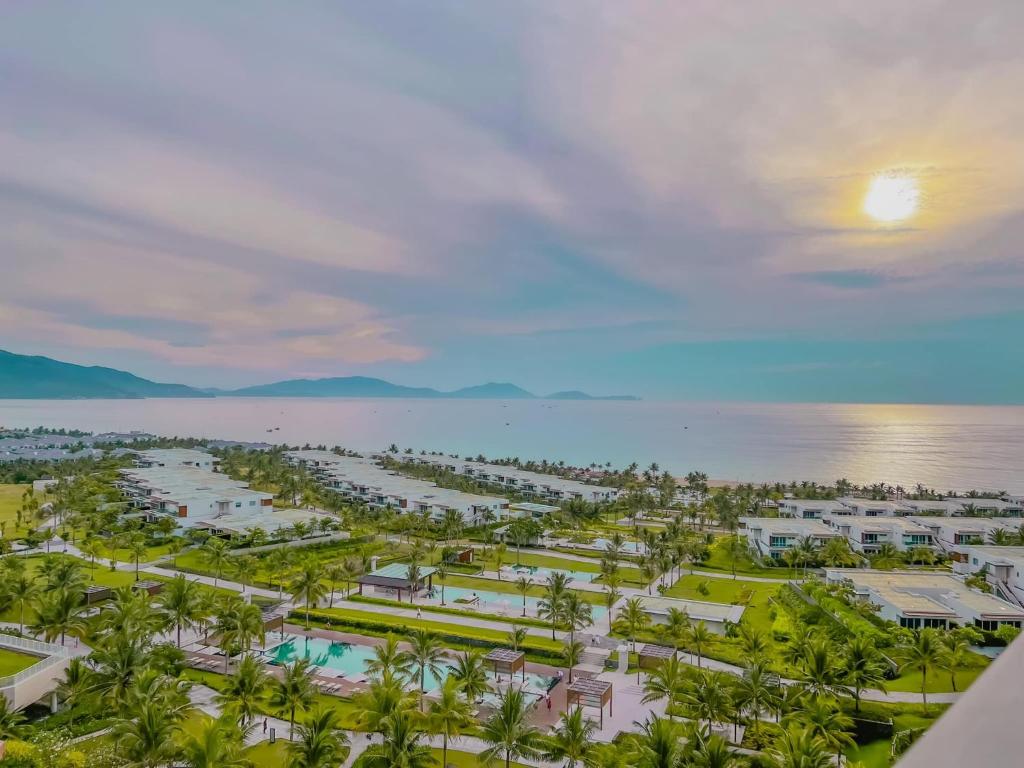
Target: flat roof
{"x":695,"y":609}
{"x":928,"y":593}
{"x":400,"y":571}
{"x":657,"y":651}
{"x":504,"y":656}
{"x":791,"y":525}
{"x":589,"y":686}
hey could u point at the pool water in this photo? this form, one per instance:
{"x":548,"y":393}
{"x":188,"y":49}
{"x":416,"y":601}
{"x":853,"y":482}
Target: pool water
{"x":497,"y":602}
{"x":350,"y":659}
{"x":539,"y":574}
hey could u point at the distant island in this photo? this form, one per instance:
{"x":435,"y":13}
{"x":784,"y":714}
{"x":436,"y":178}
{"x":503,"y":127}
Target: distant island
{"x":25,"y":377}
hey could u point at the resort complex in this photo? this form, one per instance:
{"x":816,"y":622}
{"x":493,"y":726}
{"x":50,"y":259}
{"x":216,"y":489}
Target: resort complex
{"x":209,"y":603}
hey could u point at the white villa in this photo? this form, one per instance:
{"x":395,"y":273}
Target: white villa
{"x":809,"y":509}
{"x":774,"y":536}
{"x":1003,"y":568}
{"x":867,"y":534}
{"x":716,"y":616}
{"x":956,"y":534}
{"x":534,"y":484}
{"x":873,"y":508}
{"x":358,"y":477}
{"x":176,"y":457}
{"x":926,"y":599}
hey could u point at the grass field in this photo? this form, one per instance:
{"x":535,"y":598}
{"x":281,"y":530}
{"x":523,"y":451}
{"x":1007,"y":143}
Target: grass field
{"x":720,"y":560}
{"x":626,"y":573}
{"x":10,"y":502}
{"x":12,"y":662}
{"x":508,"y":586}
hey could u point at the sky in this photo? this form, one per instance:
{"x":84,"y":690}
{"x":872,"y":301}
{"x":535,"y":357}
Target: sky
{"x":661,"y":199}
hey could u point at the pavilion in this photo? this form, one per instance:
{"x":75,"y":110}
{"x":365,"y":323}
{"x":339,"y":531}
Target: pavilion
{"x":653,"y":656}
{"x":590,"y":692}
{"x":395,"y":576}
{"x":507,"y":661}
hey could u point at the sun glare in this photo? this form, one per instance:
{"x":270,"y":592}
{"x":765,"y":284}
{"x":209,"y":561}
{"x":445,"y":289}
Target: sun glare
{"x":891,"y":197}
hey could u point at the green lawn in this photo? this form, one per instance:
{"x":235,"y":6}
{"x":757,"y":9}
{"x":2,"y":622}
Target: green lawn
{"x":877,"y":754}
{"x":12,"y":662}
{"x":754,"y":594}
{"x":10,"y":502}
{"x":938,"y":680}
{"x":720,"y":560}
{"x":267,"y":755}
{"x":626,"y":573}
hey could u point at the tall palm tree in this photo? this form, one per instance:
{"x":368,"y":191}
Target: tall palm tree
{"x":402,"y":745}
{"x":294,"y":691}
{"x":308,"y":586}
{"x":611,"y":597}
{"x":577,"y":613}
{"x":955,"y":652}
{"x":710,"y":751}
{"x":572,"y":739}
{"x":385,"y":696}
{"x":388,"y":658}
{"x":11,"y":720}
{"x":321,"y":744}
{"x":676,"y":626}
{"x":923,"y":653}
{"x":215,"y":553}
{"x":863,"y":667}
{"x":508,"y":732}
{"x":658,"y":745}
{"x":245,"y":689}
{"x":823,"y":675}
{"x":667,"y":681}
{"x":708,"y":697}
{"x":633,"y":618}
{"x":427,"y":654}
{"x":218,"y":745}
{"x":523,"y":585}
{"x":441,"y":573}
{"x":181,"y":603}
{"x":22,"y":589}
{"x":60,"y":614}
{"x":756,"y":692}
{"x":698,"y":638}
{"x":76,"y":686}
{"x":572,"y":653}
{"x":468,"y":670}
{"x":449,"y":715}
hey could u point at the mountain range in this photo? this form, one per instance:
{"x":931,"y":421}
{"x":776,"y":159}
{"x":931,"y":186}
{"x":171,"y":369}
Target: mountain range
{"x":29,"y":377}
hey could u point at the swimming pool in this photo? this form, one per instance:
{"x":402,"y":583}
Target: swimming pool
{"x":539,"y":574}
{"x":629,"y":547}
{"x":498,"y":602}
{"x":350,"y":659}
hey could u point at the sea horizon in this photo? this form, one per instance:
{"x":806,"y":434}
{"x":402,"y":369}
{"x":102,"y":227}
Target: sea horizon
{"x":946,"y":447}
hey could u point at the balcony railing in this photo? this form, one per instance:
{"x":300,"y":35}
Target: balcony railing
{"x":52,"y":654}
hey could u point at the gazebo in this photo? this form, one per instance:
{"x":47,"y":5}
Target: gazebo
{"x":149,"y":587}
{"x":590,"y":692}
{"x":94,"y":593}
{"x":653,"y":656}
{"x":507,"y":661}
{"x":396,"y":576}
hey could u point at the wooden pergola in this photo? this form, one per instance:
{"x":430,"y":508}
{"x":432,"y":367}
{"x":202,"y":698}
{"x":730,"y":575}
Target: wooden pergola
{"x":396,"y":576}
{"x":94,"y":593}
{"x":653,"y":656}
{"x":507,"y":661}
{"x":590,"y":692}
{"x":149,"y":587}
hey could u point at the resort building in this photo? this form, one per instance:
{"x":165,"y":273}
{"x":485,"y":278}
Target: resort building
{"x":1003,"y":568}
{"x":534,"y":484}
{"x":868,"y":534}
{"x":774,"y":536}
{"x":873,"y":507}
{"x":190,"y":495}
{"x":531,"y":509}
{"x":926,"y":599}
{"x":41,"y":673}
{"x":955,"y":534}
{"x":362,"y":479}
{"x":716,"y":616}
{"x":176,"y":457}
{"x":964,"y":507}
{"x":810,"y":509}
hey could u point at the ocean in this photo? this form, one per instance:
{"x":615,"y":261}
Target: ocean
{"x":946,"y":447}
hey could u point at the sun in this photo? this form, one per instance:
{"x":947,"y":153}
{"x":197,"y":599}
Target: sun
{"x":891,"y":197}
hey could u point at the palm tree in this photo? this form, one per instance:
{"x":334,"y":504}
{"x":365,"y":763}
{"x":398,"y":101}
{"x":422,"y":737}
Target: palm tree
{"x":308,"y":586}
{"x":572,"y":652}
{"x":955,"y":653}
{"x":59,"y":614}
{"x":180,"y":601}
{"x":321,"y":744}
{"x":659,"y":745}
{"x":449,"y":715}
{"x":523,"y":585}
{"x":441,"y":572}
{"x":633,"y":618}
{"x":426,"y":653}
{"x":863,"y":667}
{"x":245,"y":689}
{"x":384,"y":697}
{"x":577,"y":613}
{"x":412,"y":574}
{"x":665,"y":682}
{"x":755,"y":692}
{"x":278,"y":562}
{"x":508,"y":732}
{"x":387,"y":659}
{"x":822,"y":675}
{"x":92,"y":548}
{"x":137,"y":549}
{"x":401,"y":746}
{"x":697,"y":638}
{"x":499,"y":557}
{"x":922,"y":653}
{"x":799,"y":748}
{"x":149,"y":737}
{"x":293,"y":691}
{"x":710,"y":751}
{"x":824,"y":720}
{"x":572,"y":739}
{"x":215,"y":553}
{"x":886,"y":557}
{"x":218,"y":745}
{"x":611,"y":597}
{"x":22,"y":589}
{"x":516,"y":637}
{"x":469,"y":671}
{"x":10,"y":720}
{"x":76,"y":687}
{"x":676,"y":626}
{"x":708,"y":697}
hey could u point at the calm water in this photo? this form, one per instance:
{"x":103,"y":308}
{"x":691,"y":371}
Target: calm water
{"x":946,"y":447}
